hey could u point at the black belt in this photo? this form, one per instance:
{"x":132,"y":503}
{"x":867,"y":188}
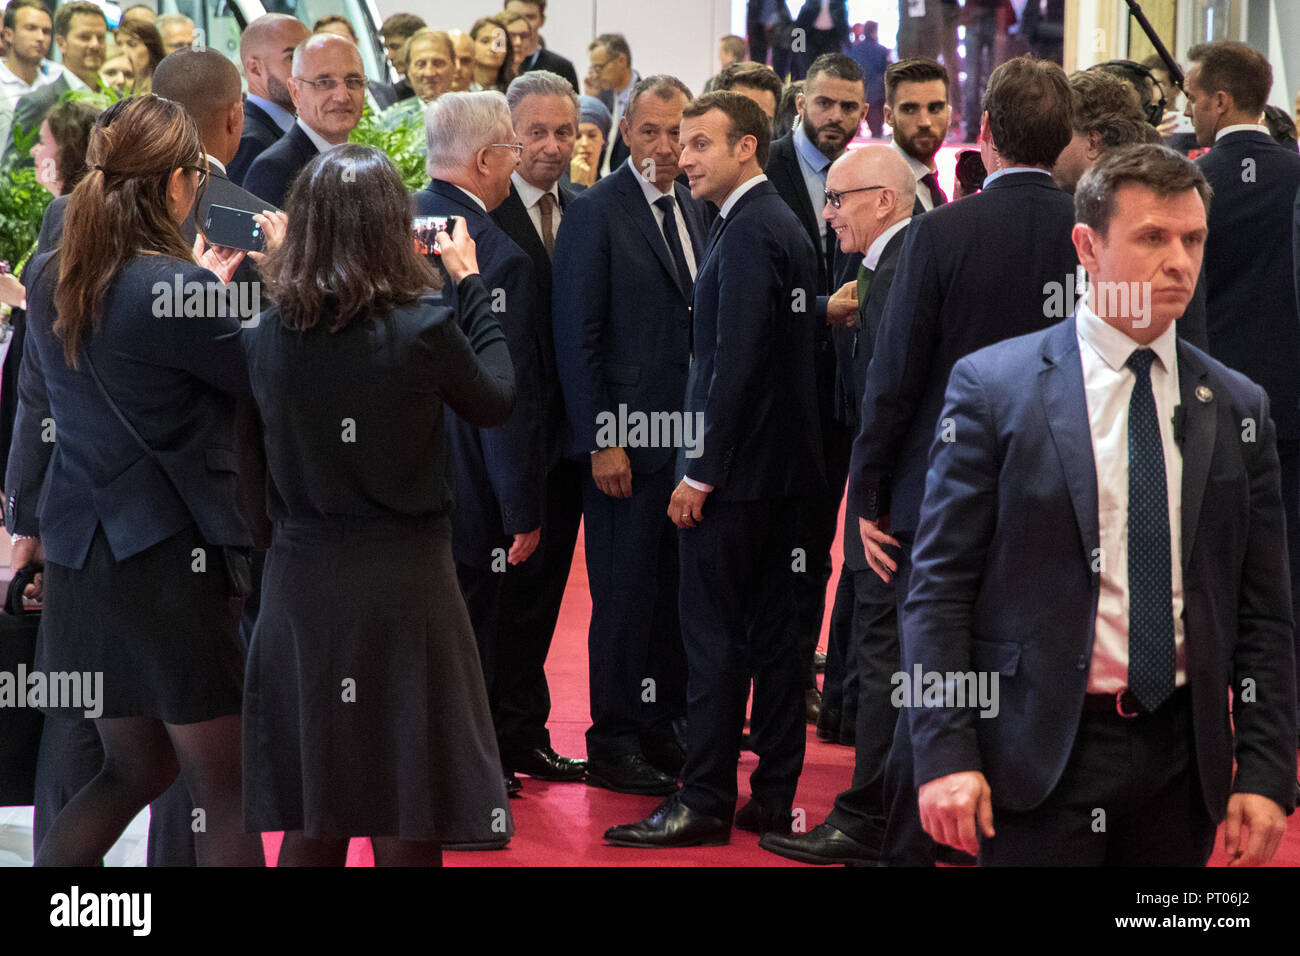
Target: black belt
{"x":1124,"y":703}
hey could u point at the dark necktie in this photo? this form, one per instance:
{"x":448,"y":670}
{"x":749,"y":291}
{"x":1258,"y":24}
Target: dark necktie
{"x":931,"y":182}
{"x":1151,"y":663}
{"x":668,"y":206}
{"x":547,"y":207}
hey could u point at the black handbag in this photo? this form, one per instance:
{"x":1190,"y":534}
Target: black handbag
{"x":235,"y":561}
{"x":20,"y":726}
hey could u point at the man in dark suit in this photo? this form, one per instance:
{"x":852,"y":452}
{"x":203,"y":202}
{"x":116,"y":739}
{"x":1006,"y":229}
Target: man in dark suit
{"x":498,"y":478}
{"x":544,"y":113}
{"x":1250,"y":299}
{"x":953,"y":293}
{"x":536,"y":56}
{"x":328,"y":87}
{"x":611,"y":63}
{"x":918,"y":112}
{"x":631,"y":240}
{"x":751,"y":391}
{"x":832,"y":105}
{"x":266,"y":51}
{"x":871,"y":193}
{"x":80,"y":29}
{"x":1104,"y":538}
{"x":872,"y":57}
{"x":826,"y":26}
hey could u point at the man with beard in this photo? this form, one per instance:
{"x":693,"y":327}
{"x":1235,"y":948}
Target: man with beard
{"x":917,"y":110}
{"x":266,"y":51}
{"x":832,"y":105}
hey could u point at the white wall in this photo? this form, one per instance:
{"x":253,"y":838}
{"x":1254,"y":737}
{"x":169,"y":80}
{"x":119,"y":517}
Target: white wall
{"x":666,"y":36}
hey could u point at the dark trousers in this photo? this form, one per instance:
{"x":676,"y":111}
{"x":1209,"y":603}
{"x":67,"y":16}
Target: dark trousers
{"x":876,"y":118}
{"x":530,"y":606}
{"x":634,"y":645}
{"x":1288,"y":453}
{"x":737,"y":613}
{"x":860,"y":811}
{"x":840,"y":683}
{"x":756,"y":40}
{"x":1130,"y":795}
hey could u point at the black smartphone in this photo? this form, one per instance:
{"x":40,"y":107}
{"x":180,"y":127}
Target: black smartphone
{"x":236,"y":228}
{"x":425,"y":229}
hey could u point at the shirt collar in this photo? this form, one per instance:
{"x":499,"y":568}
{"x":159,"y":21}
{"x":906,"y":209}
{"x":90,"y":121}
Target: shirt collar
{"x":739,"y":191}
{"x":1013,"y":169}
{"x":1114,"y":347}
{"x":216,"y":163}
{"x":478,"y":202}
{"x":46,"y":72}
{"x":919,"y":169}
{"x":529,"y":193}
{"x":74,"y":82}
{"x":1242,"y":128}
{"x":652,"y":193}
{"x":322,"y":145}
{"x":809,"y":153}
{"x":877,"y":248}
{"x":280,"y":116}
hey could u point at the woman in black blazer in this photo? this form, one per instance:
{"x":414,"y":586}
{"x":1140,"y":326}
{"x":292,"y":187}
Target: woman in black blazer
{"x":134,"y":531}
{"x":365,"y":710}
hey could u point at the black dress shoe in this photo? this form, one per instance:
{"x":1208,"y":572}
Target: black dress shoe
{"x":673,"y":823}
{"x":477,"y":847}
{"x":823,"y":844}
{"x":819,"y":662}
{"x":756,"y":818}
{"x":543,"y":763}
{"x":665,"y":755}
{"x":630,"y":773}
{"x":828,"y":724}
{"x":513,"y":786}
{"x":812,"y":703}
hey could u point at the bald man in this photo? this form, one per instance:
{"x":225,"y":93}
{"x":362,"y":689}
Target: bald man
{"x":874,"y":188}
{"x":266,"y":52}
{"x":328,"y":87}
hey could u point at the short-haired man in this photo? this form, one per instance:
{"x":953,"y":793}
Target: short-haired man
{"x":266,"y":52}
{"x":955,"y":292}
{"x":462,"y":45}
{"x":611,"y":64}
{"x":25,"y":69}
{"x":328,"y":87}
{"x":497,"y":471}
{"x":430,"y":60}
{"x":869,"y":197}
{"x":759,"y":83}
{"x":395,"y":31}
{"x":80,"y":31}
{"x":751,"y":390}
{"x":1250,"y":295}
{"x":918,"y":111}
{"x":625,"y":267}
{"x":873,"y":57}
{"x":176,"y":30}
{"x":1104,"y":434}
{"x":1103,"y":117}
{"x":731,"y":49}
{"x":544,"y":114}
{"x":535,"y":55}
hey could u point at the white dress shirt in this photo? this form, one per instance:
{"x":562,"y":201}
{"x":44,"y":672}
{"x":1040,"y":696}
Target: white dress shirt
{"x":320,"y":142}
{"x":877,"y":248}
{"x":616,"y":114}
{"x":13,"y":88}
{"x":1242,"y":128}
{"x":919,"y":171}
{"x":1108,"y":385}
{"x":530,"y":195}
{"x":652,"y":195}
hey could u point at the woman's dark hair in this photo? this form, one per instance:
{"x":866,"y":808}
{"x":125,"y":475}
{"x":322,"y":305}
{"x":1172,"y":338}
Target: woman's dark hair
{"x":506,"y":73}
{"x":120,"y":209}
{"x":347,"y":250}
{"x":70,"y":125}
{"x":150,"y":37}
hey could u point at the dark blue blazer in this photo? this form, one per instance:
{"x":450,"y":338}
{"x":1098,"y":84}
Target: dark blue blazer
{"x":622,"y":317}
{"x":260,"y":134}
{"x":955,"y":291}
{"x":1004,"y":578}
{"x":273,"y":172}
{"x":617,"y":150}
{"x":1250,"y":295}
{"x":787,"y":176}
{"x":753,"y":372}
{"x":174,"y":377}
{"x":497,"y":471}
{"x":554,"y":63}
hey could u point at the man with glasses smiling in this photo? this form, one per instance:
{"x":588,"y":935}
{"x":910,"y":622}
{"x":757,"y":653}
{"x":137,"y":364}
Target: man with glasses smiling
{"x":328,"y":87}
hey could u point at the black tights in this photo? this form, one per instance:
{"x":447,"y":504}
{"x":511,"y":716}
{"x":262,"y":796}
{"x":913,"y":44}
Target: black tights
{"x":299,"y":850}
{"x":142,"y":756}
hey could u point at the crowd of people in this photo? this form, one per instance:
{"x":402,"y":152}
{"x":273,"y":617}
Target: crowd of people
{"x":310,"y":505}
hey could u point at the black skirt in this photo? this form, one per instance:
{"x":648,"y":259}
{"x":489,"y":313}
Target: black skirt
{"x":158,"y":626}
{"x":365,"y":711}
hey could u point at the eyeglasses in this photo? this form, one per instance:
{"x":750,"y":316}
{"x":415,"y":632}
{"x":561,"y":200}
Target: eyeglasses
{"x":517,"y":147}
{"x":203,"y":174}
{"x":836,"y":196}
{"x":355,"y":84}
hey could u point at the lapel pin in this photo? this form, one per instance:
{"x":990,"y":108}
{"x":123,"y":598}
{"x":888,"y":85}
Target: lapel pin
{"x":1204,"y":394}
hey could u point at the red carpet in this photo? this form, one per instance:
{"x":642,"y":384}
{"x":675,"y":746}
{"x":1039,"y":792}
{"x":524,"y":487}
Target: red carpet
{"x":561,"y":824}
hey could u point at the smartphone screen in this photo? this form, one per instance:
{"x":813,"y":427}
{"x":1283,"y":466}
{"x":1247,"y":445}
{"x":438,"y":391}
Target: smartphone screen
{"x":425,"y":229}
{"x":236,"y":228}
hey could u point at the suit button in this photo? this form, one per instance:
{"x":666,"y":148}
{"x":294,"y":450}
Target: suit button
{"x":1082,"y":662}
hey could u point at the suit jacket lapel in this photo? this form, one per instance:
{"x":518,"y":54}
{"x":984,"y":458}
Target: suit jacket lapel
{"x":1066,"y":405}
{"x":693,"y":223}
{"x":1200,"y":425}
{"x":639,"y":212}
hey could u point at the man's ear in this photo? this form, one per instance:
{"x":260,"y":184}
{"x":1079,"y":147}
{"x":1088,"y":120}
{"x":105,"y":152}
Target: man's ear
{"x":1095,"y":146}
{"x":800,"y":100}
{"x":1087,"y":244}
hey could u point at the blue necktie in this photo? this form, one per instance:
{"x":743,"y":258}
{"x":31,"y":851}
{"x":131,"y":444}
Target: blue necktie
{"x":1150,"y":588}
{"x":668,"y":207}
